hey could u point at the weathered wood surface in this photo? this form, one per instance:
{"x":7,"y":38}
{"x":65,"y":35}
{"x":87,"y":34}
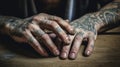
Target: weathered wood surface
{"x":106,"y":54}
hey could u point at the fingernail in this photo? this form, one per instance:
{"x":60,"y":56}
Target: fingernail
{"x":67,"y":40}
{"x":88,"y":53}
{"x":72,"y":56}
{"x":64,"y":55}
{"x":46,"y":54}
{"x":72,"y":31}
{"x":67,"y":20}
{"x":56,"y":52}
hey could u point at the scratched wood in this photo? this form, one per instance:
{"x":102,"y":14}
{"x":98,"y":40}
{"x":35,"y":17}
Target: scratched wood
{"x":106,"y":54}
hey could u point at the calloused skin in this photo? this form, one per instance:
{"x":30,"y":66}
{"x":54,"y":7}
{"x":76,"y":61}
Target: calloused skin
{"x":32,"y":31}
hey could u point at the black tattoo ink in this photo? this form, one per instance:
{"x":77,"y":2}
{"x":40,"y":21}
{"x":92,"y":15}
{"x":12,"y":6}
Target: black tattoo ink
{"x":30,"y":40}
{"x":80,"y":34}
{"x":15,"y":26}
{"x":58,"y":29}
{"x":110,"y":14}
{"x":46,"y":22}
{"x":92,"y":46}
{"x":38,"y":32}
{"x":84,"y":23}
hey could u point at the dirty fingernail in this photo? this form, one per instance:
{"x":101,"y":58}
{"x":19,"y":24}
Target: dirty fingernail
{"x":88,"y":53}
{"x":56,"y":52}
{"x":64,"y":55}
{"x":67,"y":40}
{"x":72,"y":56}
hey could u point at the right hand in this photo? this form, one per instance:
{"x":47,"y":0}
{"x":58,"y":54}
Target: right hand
{"x":33,"y":31}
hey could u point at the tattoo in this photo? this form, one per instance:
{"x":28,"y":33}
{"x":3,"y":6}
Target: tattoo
{"x":80,"y":34}
{"x":85,"y":23}
{"x":39,"y":33}
{"x":30,"y":40}
{"x":44,"y":21}
{"x":13,"y":25}
{"x":58,"y":29}
{"x":110,"y":14}
{"x":92,"y":46}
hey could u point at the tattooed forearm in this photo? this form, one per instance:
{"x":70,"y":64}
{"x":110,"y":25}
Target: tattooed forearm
{"x":110,"y":14}
{"x":87,"y":28}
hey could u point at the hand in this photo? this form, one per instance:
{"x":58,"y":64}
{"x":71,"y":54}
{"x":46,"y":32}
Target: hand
{"x":33,"y":31}
{"x":86,"y":29}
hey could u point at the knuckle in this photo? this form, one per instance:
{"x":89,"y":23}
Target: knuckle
{"x":59,"y":18}
{"x":56,"y":17}
{"x":67,"y":26}
{"x":40,"y":16}
{"x":30,"y":26}
{"x":65,"y":49}
{"x":41,"y":13}
{"x":91,"y":33}
{"x":25,"y":33}
{"x":78,"y":37}
{"x":35,"y":17}
{"x":33,"y":27}
{"x":54,"y":48}
{"x":74,"y":50}
{"x":53,"y":24}
{"x":92,"y":37}
{"x":45,"y":36}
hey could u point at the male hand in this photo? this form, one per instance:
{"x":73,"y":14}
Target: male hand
{"x":33,"y":30}
{"x":86,"y":30}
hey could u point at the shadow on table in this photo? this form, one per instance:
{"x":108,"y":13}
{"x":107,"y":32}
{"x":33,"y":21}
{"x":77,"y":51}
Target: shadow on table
{"x":20,"y":48}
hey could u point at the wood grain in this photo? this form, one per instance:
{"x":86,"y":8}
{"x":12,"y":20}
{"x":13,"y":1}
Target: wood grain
{"x":106,"y":54}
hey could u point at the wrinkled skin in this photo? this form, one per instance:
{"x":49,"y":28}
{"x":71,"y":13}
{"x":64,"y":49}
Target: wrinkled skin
{"x":85,"y":30}
{"x":87,"y":27}
{"x":33,"y":31}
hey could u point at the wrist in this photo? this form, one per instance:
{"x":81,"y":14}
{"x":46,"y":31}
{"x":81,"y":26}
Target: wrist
{"x":97,"y":20}
{"x":7,"y":23}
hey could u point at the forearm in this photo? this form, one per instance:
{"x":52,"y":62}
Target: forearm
{"x":110,"y":14}
{"x":88,"y":26}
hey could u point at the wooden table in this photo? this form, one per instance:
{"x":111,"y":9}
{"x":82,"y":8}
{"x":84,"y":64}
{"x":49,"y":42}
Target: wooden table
{"x":106,"y":54}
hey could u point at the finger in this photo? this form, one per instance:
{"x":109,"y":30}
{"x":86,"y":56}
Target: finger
{"x":57,"y":30}
{"x":35,"y":44}
{"x":46,"y":39}
{"x":76,"y":45}
{"x":49,"y":43}
{"x":67,"y":20}
{"x":65,"y":50}
{"x":58,"y":42}
{"x":52,"y":25}
{"x":61,"y":34}
{"x":63,"y":24}
{"x":52,"y":35}
{"x":90,"y":46}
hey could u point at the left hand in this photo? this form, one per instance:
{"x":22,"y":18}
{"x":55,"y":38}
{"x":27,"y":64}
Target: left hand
{"x":86,"y":29}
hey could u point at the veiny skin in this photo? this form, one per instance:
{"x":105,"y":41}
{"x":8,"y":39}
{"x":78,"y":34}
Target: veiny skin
{"x":87,"y":28}
{"x":31,"y":31}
